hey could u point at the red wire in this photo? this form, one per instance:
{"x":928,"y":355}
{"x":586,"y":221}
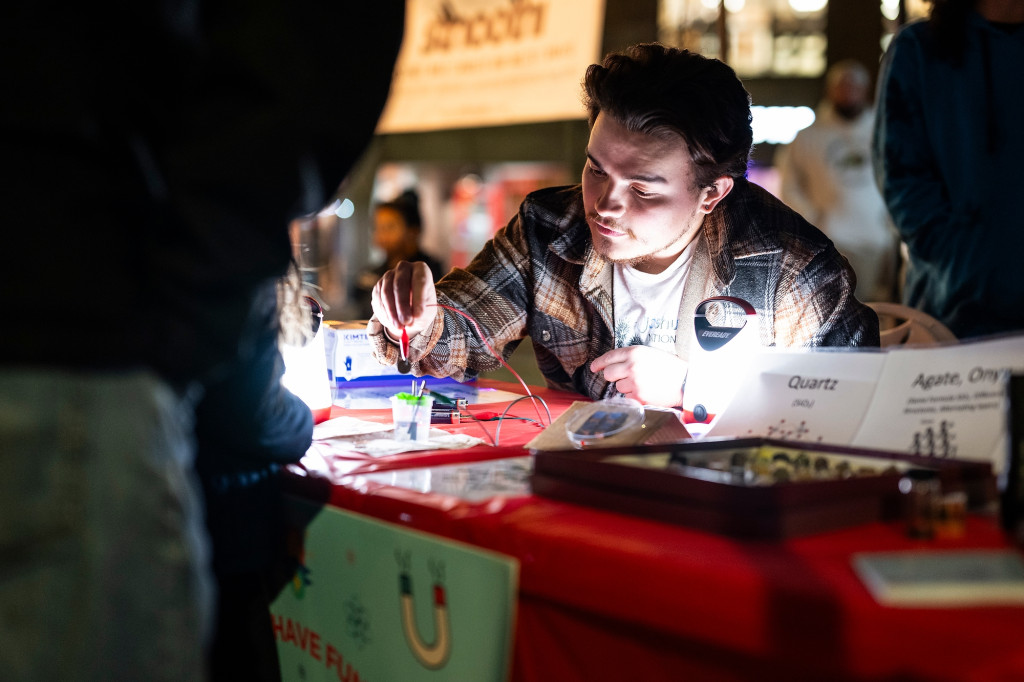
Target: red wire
{"x":496,"y":355}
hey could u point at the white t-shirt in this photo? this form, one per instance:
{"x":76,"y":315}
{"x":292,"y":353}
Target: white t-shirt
{"x":647,"y":305}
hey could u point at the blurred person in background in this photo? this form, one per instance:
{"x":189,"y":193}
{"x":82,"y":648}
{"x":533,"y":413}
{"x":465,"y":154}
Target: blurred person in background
{"x":397,"y":229}
{"x":948,"y":150}
{"x":826,"y":175}
{"x":155,"y":153}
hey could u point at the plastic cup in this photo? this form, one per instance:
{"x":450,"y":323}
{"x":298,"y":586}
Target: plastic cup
{"x":411,"y":415}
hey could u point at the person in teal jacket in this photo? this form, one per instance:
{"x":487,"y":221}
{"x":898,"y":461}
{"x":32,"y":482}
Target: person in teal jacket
{"x":949,"y":157}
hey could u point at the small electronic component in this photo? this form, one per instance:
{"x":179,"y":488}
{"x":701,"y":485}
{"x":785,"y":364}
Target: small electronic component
{"x":445,"y":414}
{"x":403,"y":365}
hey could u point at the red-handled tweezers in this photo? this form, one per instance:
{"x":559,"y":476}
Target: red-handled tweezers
{"x":403,"y":362}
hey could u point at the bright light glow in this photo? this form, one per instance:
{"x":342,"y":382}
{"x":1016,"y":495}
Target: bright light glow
{"x":710,"y":4}
{"x":779,"y":125}
{"x":716,"y":374}
{"x":807,"y":5}
{"x":891,"y":9}
{"x":305,"y":373}
{"x":330,"y":208}
{"x":735,"y":5}
{"x":345,"y":209}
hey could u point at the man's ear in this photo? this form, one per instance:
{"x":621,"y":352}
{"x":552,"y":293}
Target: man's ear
{"x":718,"y":191}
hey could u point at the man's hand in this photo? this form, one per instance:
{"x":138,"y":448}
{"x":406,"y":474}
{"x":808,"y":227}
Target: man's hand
{"x":651,"y":376}
{"x":405,"y":297}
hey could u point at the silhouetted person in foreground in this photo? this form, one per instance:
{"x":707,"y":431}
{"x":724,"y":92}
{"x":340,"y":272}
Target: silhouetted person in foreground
{"x":154,"y":155}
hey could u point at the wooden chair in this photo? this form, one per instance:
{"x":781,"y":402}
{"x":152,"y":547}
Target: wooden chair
{"x":902,"y":325}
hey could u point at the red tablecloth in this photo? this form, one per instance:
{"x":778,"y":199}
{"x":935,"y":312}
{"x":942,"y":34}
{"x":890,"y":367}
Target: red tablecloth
{"x":604,"y":596}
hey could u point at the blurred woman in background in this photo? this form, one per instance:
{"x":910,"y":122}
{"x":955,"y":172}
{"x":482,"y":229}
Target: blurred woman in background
{"x":397,"y":228}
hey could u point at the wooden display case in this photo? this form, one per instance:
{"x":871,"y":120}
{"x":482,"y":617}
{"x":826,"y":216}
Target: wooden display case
{"x":753,"y":488}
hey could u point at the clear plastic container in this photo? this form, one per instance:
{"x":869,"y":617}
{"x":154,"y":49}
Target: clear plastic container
{"x":603,"y":419}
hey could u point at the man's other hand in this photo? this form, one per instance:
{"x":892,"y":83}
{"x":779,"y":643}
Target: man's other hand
{"x":648,"y":375}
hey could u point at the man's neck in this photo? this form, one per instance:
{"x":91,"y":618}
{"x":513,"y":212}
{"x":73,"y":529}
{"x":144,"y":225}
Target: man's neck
{"x":656,"y":267}
{"x":1001,"y":11}
{"x":657,"y":264}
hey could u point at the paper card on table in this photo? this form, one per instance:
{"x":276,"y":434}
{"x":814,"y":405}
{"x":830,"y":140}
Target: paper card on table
{"x":816,"y":396}
{"x":470,"y":481}
{"x":438,"y":440}
{"x":947,"y":401}
{"x":943,"y":578}
{"x":346,"y":427}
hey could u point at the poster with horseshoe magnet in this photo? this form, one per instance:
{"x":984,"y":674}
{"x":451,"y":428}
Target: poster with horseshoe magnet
{"x":375,"y":601}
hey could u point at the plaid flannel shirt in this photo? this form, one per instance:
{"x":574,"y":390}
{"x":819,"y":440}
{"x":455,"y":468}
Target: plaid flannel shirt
{"x":540,"y":277}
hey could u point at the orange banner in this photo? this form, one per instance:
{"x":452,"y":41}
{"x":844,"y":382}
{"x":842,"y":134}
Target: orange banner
{"x":472,"y":63}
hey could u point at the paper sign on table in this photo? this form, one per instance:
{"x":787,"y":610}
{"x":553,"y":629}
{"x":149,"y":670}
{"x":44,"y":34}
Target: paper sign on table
{"x":943,"y":401}
{"x":947,"y":401}
{"x":945,"y":578}
{"x":817,"y":397}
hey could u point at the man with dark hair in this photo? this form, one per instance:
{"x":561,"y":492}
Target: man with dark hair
{"x":604,"y":277}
